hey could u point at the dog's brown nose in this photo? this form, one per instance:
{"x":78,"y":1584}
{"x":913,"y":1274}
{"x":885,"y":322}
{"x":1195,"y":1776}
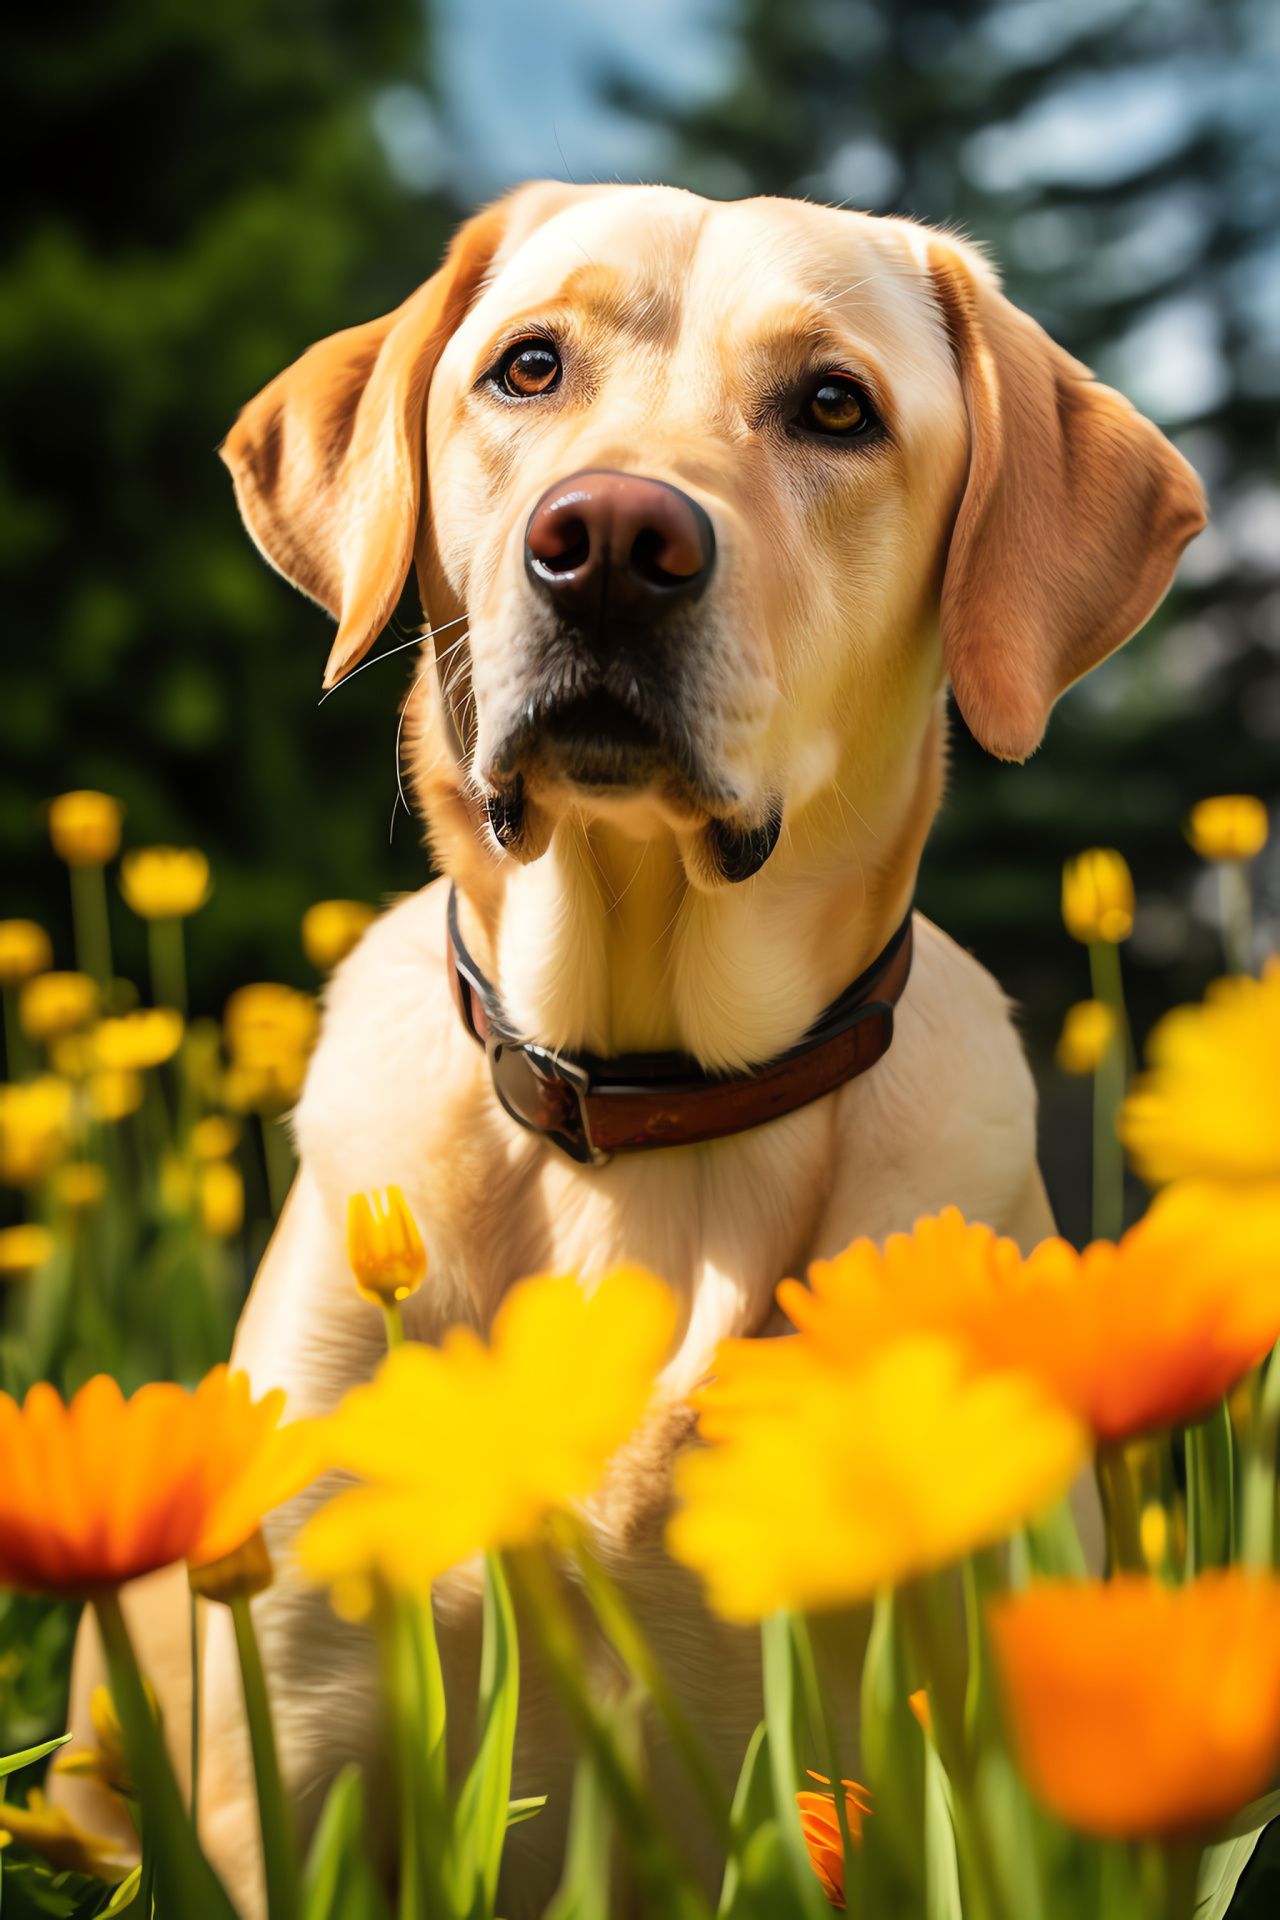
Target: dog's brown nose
{"x":618,"y":546}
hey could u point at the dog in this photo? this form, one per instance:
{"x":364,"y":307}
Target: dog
{"x":708,"y":504}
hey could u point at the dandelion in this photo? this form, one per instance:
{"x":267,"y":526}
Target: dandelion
{"x":214,"y":1137}
{"x":114,"y":1094}
{"x":57,"y":1003}
{"x":136,"y":1040}
{"x":1097,"y":897}
{"x":823,"y":1483}
{"x":1088,"y":1034}
{"x":270,"y":1032}
{"x":562,"y":1383}
{"x":1130,"y":1336}
{"x":85,"y":828}
{"x":1140,"y":1709}
{"x":221,"y":1191}
{"x":24,"y":951}
{"x":164,"y":883}
{"x":104,"y":1489}
{"x":62,"y":1841}
{"x":821,"y":1827}
{"x":1210,"y":1102}
{"x":35,"y":1120}
{"x":332,"y":928}
{"x":1232,"y":826}
{"x":23,"y":1249}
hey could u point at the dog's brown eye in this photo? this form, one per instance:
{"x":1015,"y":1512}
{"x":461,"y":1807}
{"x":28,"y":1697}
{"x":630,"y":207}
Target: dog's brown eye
{"x":532,"y":367}
{"x":840,"y":408}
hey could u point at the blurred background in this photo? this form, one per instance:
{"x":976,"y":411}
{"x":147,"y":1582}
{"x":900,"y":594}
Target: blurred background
{"x":198,"y":191}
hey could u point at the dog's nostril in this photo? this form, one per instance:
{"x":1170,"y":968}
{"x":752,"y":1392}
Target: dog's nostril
{"x":564,"y":546}
{"x":618,"y":547}
{"x":662,"y":561}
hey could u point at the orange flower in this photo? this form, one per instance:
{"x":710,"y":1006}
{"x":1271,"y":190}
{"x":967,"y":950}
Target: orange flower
{"x":104,"y":1489}
{"x":822,"y":1831}
{"x":1130,"y":1336}
{"x":1140,"y":1709}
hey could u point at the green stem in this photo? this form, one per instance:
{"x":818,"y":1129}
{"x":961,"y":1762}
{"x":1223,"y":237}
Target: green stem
{"x":776,"y":1643}
{"x":1192,"y":1444}
{"x":821,"y":1717}
{"x":277,"y":1151}
{"x":667,"y":1892}
{"x":1235,"y":914}
{"x":393,"y":1320}
{"x":167,"y":955}
{"x":22,"y":1062}
{"x":195,"y":1716}
{"x":185,"y":1882}
{"x":1108,"y":1092}
{"x":279,"y":1855}
{"x":620,"y":1624}
{"x":413,"y":1686}
{"x":1119,"y":1509}
{"x":1258,"y":1542}
{"x":92,"y":925}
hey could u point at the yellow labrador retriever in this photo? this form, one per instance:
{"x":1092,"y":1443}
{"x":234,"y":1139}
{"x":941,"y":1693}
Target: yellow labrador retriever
{"x":708,"y":504}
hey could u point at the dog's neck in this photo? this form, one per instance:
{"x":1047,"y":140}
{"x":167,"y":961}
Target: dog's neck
{"x":602,"y":943}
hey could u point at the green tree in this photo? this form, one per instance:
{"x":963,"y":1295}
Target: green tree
{"x":195,"y":194}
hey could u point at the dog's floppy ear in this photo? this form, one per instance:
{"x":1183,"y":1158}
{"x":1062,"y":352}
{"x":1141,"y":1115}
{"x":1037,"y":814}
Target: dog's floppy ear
{"x":1072,"y":520}
{"x":327,"y":460}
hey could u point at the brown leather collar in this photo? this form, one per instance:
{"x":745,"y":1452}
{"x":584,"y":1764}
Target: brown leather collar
{"x":592,"y":1108}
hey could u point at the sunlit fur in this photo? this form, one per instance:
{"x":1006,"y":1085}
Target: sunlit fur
{"x":817,"y":655}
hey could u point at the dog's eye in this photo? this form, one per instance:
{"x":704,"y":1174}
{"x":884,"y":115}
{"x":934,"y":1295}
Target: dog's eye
{"x":530,"y":367}
{"x":839,"y":409}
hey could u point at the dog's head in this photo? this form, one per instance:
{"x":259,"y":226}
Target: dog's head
{"x":718,"y":494}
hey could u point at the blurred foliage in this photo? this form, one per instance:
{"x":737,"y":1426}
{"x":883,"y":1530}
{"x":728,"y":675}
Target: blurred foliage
{"x":194,"y":195}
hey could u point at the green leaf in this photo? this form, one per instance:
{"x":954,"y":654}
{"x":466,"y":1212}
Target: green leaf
{"x":125,"y":1894}
{"x":941,"y":1870}
{"x":583,"y":1893}
{"x":12,"y":1761}
{"x":482,"y":1815}
{"x":340,"y":1884}
{"x":779,"y":1713}
{"x":518,"y":1811}
{"x":893,"y":1760}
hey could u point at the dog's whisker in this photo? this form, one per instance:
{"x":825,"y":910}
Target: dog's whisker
{"x":399,"y":733}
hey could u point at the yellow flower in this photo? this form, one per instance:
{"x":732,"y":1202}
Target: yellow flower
{"x":51,"y":1832}
{"x":114,"y":1093}
{"x":1097,"y":896}
{"x":1143,"y":1709}
{"x":237,"y":1575}
{"x":384,"y":1246}
{"x":562,"y":1384}
{"x":1210,"y":1103}
{"x":71,"y":1055}
{"x":221,"y":1190}
{"x":85,"y":828}
{"x":823,"y":1484}
{"x":214,"y":1138}
{"x":34,"y":1120}
{"x":164,"y":883}
{"x":23,"y":1249}
{"x":81,"y":1184}
{"x":270,"y":1032}
{"x":54,"y":1003}
{"x":1232,"y":826}
{"x":1087,"y":1034}
{"x":24,"y":950}
{"x":106,"y":1762}
{"x":331,"y":928}
{"x":140,"y":1039}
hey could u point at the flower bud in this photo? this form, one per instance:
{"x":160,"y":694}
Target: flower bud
{"x":332,"y":928}
{"x":81,"y":1185}
{"x":85,"y":828}
{"x":384,"y":1247}
{"x":164,"y":883}
{"x":24,"y":950}
{"x":221,"y":1190}
{"x":34,"y":1118}
{"x":1232,"y":826}
{"x":214,"y":1138}
{"x":114,"y":1093}
{"x":54,"y":1003}
{"x":1097,"y":896}
{"x":238,"y":1575}
{"x":1087,"y":1034}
